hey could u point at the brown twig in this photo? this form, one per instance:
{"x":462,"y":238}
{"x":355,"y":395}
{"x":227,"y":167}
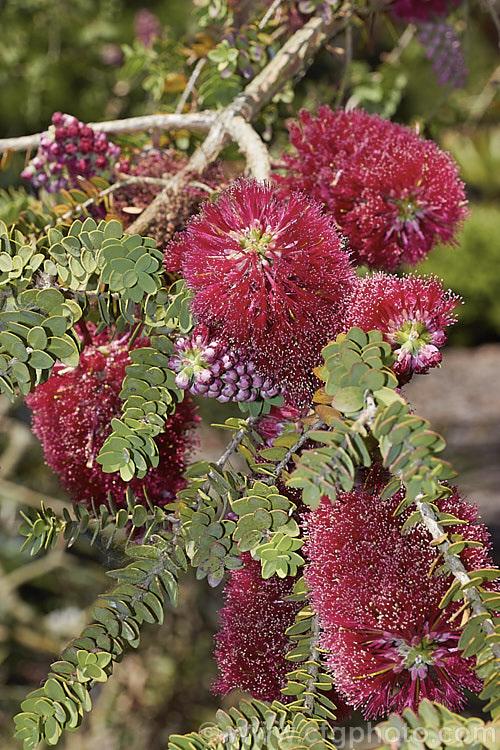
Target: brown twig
{"x":190,"y":85}
{"x":304,"y":437}
{"x":270,"y":12}
{"x":228,"y":452}
{"x":235,"y":441}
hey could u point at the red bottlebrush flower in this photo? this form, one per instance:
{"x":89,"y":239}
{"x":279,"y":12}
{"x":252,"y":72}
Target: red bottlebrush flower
{"x":251,"y":645}
{"x":411,"y":311}
{"x":392,"y":193}
{"x":421,"y":10}
{"x":268,"y":275}
{"x":389,"y":645}
{"x":72,"y":413}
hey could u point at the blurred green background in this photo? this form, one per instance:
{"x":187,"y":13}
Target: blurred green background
{"x":66,"y":55}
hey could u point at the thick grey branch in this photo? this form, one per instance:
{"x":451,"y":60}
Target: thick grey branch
{"x":191,"y":120}
{"x":251,"y":146}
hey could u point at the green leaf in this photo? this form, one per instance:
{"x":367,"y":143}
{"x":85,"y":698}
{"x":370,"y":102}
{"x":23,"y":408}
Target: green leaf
{"x":139,"y":515}
{"x":479,"y":576}
{"x":274,"y":454}
{"x":127,"y":471}
{"x":146,"y":283}
{"x":41,"y":360}
{"x":54,"y":690}
{"x":37,"y":338}
{"x":14,"y":345}
{"x":387,"y":396}
{"x":155,"y":605}
{"x":62,"y":667}
{"x":20,"y":372}
{"x":50,"y":299}
{"x":5,"y":262}
{"x":113,"y":230}
{"x":96,"y":673}
{"x":52,"y":731}
{"x":373,"y":380}
{"x":43,"y":707}
{"x":65,"y":350}
{"x":358,"y":336}
{"x":349,"y":400}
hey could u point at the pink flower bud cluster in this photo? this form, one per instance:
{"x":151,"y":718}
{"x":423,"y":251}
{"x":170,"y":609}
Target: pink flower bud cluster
{"x":207,"y":367}
{"x":442,"y":46}
{"x":69,"y":151}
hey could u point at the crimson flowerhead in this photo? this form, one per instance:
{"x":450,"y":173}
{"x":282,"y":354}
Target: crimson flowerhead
{"x":421,"y":10}
{"x":413,"y":313}
{"x":72,"y":413}
{"x":392,"y":193}
{"x":268,"y":275}
{"x":388,"y":643}
{"x":251,"y":645}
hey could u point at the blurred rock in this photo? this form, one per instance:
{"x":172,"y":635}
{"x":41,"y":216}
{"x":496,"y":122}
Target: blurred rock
{"x":462,"y":402}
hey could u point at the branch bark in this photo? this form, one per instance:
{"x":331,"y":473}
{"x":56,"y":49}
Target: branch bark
{"x":192,"y":120}
{"x":304,"y":437}
{"x":251,"y":146}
